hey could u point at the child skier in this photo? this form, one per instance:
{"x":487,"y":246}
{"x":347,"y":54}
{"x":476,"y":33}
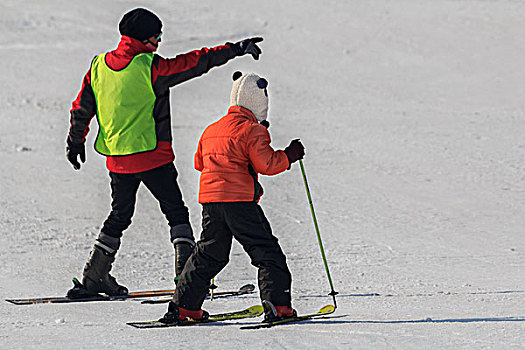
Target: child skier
{"x":230,"y":155}
{"x":128,"y":90}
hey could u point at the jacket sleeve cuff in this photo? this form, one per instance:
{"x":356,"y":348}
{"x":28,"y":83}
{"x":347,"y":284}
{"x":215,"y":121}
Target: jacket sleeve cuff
{"x":235,"y":47}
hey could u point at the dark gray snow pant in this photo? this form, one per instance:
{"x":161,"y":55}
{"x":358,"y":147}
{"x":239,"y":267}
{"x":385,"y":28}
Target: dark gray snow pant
{"x":246,"y":222}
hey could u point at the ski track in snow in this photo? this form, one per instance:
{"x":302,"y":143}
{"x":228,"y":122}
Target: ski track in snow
{"x":412,"y":117}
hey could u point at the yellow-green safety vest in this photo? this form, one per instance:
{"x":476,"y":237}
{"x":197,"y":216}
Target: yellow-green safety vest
{"x":125,"y":101}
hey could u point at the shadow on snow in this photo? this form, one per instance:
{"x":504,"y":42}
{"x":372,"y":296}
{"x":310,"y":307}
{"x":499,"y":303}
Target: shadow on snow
{"x":420,"y":294}
{"x":331,"y":320}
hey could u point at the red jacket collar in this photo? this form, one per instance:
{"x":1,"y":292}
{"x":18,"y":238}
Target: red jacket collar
{"x":130,"y":47}
{"x":127,"y":49}
{"x":245,"y":112}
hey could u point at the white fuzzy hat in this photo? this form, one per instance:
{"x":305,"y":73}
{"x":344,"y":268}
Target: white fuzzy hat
{"x":249,"y":91}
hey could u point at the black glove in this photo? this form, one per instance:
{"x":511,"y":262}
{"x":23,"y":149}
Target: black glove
{"x":294,"y":151}
{"x":249,"y":46}
{"x":73,"y":150}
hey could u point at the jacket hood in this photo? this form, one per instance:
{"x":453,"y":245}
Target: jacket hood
{"x":244,"y":112}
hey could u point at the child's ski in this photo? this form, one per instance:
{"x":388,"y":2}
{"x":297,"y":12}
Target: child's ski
{"x":325,"y":310}
{"x":252,"y":311}
{"x":246,"y":289}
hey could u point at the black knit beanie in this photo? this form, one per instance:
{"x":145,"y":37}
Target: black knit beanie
{"x":140,"y":24}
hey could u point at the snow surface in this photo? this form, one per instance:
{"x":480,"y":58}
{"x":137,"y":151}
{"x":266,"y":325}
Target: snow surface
{"x":412,"y":113}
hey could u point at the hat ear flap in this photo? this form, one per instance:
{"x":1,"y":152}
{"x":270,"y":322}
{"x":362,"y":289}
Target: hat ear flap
{"x":236,"y":75}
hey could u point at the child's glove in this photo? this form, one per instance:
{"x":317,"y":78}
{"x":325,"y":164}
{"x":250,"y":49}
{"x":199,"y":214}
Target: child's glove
{"x":294,"y":151}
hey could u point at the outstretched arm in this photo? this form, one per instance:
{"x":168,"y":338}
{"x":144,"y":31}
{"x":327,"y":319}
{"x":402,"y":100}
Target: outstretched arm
{"x":168,"y":72}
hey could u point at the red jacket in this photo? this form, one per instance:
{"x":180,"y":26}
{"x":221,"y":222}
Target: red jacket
{"x":165,"y":73}
{"x":230,"y":155}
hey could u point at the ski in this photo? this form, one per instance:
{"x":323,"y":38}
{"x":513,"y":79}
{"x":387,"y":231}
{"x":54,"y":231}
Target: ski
{"x":325,"y":310}
{"x":131,"y":295}
{"x":246,"y":289}
{"x":98,"y":297}
{"x":252,"y":311}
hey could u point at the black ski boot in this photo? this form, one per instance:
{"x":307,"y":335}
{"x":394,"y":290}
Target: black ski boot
{"x":172,"y":316}
{"x":183,"y":251}
{"x":96,"y":277}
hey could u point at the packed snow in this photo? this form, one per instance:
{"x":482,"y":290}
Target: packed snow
{"x":412,"y":114}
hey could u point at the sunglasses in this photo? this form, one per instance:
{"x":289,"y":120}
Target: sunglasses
{"x":158,"y":37}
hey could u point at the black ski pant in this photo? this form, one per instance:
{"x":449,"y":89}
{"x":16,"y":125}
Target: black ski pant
{"x":220,"y":223}
{"x":162,"y":183}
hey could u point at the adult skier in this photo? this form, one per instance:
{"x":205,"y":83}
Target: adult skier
{"x":128,"y":90}
{"x":230,"y":155}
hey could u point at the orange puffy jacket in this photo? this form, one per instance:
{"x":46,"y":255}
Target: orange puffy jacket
{"x":230,"y":155}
